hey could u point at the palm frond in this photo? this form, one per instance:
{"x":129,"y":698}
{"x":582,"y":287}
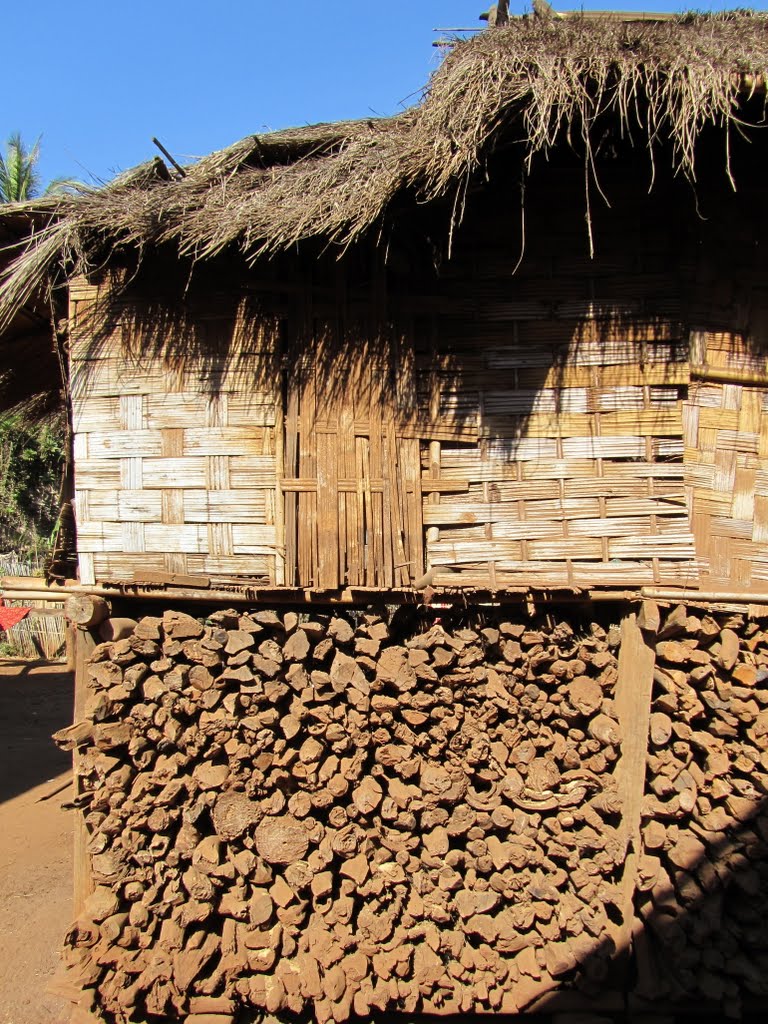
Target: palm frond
{"x":63,"y":186}
{"x":19,"y":180}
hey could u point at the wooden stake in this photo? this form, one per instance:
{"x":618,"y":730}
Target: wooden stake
{"x":634,"y":685}
{"x":85,"y":641}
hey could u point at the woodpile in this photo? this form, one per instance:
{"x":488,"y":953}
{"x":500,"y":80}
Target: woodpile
{"x":702,"y":890}
{"x":308,"y":812}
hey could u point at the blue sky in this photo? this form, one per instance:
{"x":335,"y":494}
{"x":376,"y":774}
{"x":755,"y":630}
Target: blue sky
{"x":98,"y":79}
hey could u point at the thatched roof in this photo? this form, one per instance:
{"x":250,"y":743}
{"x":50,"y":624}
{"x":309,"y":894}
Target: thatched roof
{"x":533,"y":83}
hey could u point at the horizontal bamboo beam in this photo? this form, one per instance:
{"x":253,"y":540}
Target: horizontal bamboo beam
{"x":303,"y":595}
{"x":728,"y":374}
{"x":31,"y":595}
{"x":24,"y":583}
{"x":715,"y":596}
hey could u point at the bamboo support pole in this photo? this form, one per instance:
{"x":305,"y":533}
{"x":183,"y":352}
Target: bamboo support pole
{"x":288,"y":595}
{"x":715,"y":596}
{"x":728,"y":375}
{"x":24,"y":583}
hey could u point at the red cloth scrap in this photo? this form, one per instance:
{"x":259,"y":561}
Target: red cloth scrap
{"x":10,"y":617}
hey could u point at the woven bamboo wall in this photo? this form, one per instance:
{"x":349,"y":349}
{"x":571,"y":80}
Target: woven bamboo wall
{"x":175,"y":444}
{"x":543,"y":425}
{"x":726,"y":461}
{"x":577,"y":478}
{"x":573,"y":372}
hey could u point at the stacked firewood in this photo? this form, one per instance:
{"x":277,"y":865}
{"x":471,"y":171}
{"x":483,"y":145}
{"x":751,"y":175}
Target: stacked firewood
{"x":297,"y":812}
{"x":703,"y":875}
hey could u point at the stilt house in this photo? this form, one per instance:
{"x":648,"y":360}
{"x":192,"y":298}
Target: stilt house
{"x":512,"y":338}
{"x":509,"y":344}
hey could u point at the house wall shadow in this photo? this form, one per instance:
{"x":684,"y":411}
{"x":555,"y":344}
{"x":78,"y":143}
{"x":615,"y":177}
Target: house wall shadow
{"x":35,"y":701}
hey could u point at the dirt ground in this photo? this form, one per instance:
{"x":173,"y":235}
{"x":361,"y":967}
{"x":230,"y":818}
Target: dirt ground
{"x":35,"y":839}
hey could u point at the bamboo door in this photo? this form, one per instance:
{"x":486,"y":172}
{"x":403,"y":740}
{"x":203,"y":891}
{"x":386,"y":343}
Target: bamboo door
{"x":352,"y":479}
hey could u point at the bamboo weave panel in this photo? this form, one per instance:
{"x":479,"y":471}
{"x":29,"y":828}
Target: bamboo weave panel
{"x":175,"y":451}
{"x":578,"y":482}
{"x":726,"y":464}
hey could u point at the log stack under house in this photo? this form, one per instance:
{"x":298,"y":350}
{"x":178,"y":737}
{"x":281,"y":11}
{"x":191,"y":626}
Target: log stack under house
{"x":418,"y":571}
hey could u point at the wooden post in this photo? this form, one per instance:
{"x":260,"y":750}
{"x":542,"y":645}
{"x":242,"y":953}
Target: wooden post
{"x":86,"y":610}
{"x":84,"y":641}
{"x":637,"y":658}
{"x":70,"y":633}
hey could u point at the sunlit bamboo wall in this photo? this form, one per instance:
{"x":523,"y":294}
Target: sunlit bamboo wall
{"x":547,"y":424}
{"x":573,"y":371}
{"x":174,"y":441}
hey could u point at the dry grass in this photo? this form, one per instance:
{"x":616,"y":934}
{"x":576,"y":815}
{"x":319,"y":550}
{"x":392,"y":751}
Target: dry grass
{"x":536,"y":82}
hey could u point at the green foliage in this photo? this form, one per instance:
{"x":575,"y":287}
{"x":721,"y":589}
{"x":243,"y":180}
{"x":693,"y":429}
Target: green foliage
{"x":31,"y":451}
{"x":19,"y":178}
{"x":31,"y":462}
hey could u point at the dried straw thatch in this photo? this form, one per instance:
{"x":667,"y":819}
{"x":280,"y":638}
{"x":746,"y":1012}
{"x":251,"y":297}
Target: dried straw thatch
{"x":535,"y":83}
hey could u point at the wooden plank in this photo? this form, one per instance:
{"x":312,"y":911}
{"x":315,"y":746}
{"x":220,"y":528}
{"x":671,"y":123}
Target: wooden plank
{"x":84,"y":643}
{"x":632,"y":698}
{"x":327,"y":498}
{"x":375,"y":471}
{"x":400,"y":561}
{"x":276,"y":502}
{"x":350,"y":550}
{"x":362,"y":447}
{"x":290,"y":468}
{"x":415,"y":500}
{"x":307,"y":525}
{"x":388,"y":525}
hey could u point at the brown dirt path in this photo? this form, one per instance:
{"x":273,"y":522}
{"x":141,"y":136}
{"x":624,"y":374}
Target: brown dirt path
{"x":35,"y":839}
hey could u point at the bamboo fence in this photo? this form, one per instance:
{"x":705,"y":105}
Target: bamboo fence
{"x":39,"y":636}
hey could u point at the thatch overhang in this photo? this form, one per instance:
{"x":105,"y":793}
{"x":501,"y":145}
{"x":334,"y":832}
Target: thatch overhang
{"x":30,"y":376}
{"x":531,"y":86}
